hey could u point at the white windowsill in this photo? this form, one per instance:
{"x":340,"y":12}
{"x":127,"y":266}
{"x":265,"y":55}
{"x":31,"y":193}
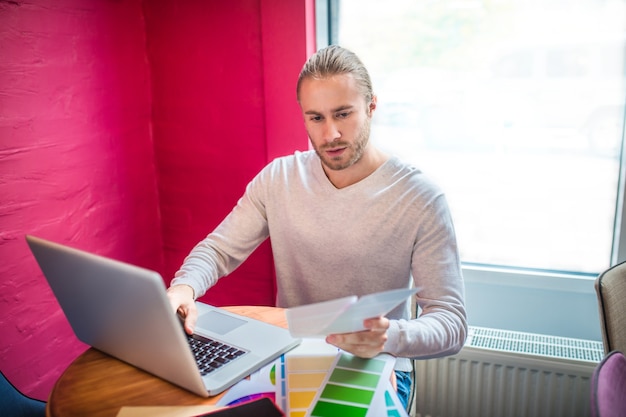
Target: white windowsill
{"x":529,"y":279}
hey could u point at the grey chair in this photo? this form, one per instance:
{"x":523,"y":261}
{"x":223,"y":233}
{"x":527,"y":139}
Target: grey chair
{"x":611,"y":292}
{"x":13,"y":403}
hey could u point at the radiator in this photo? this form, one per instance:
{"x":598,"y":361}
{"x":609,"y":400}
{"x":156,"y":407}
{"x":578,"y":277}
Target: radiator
{"x":508,"y":374}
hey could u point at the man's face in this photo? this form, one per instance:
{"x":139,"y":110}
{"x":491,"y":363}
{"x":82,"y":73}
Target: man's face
{"x":337,"y":119}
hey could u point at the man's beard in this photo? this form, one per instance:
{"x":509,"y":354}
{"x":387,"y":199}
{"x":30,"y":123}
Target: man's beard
{"x":356,"y":149}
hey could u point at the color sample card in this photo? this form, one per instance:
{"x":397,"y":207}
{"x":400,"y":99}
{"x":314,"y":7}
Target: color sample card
{"x":393,"y":406}
{"x":300,"y":373}
{"x":260,"y":384}
{"x":343,"y":315}
{"x":355,"y":387}
{"x":316,"y":370}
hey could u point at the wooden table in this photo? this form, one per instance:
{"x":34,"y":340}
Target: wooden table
{"x":98,"y":385}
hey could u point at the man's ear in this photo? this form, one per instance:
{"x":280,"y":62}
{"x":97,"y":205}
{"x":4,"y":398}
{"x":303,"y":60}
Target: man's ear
{"x":372,"y":105}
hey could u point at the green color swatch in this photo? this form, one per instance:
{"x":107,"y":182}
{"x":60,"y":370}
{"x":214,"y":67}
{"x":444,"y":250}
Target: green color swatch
{"x":342,"y":393}
{"x":325,"y":409}
{"x":368,"y":365}
{"x":344,"y":376}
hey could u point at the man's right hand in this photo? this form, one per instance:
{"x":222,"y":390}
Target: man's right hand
{"x":182,"y":300}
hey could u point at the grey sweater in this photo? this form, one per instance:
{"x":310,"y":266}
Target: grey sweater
{"x":389,"y":230}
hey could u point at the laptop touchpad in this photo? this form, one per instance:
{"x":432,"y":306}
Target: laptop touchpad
{"x":219,"y":323}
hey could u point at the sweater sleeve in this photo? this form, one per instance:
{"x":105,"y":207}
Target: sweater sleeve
{"x":441,"y":328}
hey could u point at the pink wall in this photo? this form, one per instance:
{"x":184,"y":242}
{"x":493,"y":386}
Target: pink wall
{"x":214,"y":100}
{"x":76,"y":163}
{"x":129,"y":129}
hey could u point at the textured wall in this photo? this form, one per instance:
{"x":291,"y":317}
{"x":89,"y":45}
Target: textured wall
{"x":224,"y":76}
{"x":76,"y":163}
{"x":208,"y":127}
{"x":125,"y":121}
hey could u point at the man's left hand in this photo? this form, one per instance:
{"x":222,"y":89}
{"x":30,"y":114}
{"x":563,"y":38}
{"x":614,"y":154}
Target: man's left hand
{"x":365,"y":344}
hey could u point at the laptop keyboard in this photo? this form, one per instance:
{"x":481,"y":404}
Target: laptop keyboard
{"x":211,"y":354}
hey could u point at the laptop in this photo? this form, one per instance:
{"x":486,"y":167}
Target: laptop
{"x":123,"y":310}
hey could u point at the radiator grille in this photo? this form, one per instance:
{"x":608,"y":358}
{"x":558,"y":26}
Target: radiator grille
{"x":501,"y":373}
{"x":535,"y":344}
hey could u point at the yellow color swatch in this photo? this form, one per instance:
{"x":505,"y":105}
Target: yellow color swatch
{"x":306,"y":368}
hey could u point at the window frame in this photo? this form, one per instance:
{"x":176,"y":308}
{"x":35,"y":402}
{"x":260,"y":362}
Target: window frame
{"x":574,"y":293}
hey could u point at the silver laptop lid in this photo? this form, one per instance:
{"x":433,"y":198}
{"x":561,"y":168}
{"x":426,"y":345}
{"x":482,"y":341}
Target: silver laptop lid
{"x":123,"y":311}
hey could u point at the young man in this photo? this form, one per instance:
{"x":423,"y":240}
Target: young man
{"x":344,"y":219}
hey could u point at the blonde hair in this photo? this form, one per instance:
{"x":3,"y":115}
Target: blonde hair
{"x":336,"y":60}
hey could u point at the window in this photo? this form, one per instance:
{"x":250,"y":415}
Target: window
{"x":515,"y":108}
